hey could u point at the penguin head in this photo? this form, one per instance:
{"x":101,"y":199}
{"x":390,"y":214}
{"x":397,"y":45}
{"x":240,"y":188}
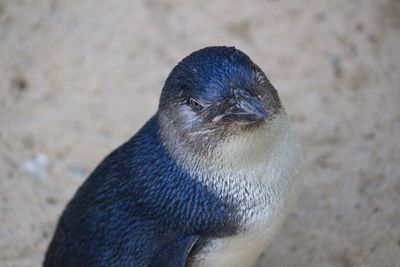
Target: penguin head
{"x":214,"y":93}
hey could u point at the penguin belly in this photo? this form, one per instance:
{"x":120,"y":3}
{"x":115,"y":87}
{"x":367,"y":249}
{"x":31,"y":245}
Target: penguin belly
{"x":241,"y":250}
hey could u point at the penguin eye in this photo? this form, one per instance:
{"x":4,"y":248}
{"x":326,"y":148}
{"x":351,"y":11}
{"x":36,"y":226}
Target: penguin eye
{"x":195,"y":105}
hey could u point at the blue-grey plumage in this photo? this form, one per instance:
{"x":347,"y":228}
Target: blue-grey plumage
{"x":205,"y":182}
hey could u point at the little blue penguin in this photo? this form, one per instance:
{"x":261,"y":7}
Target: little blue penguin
{"x":207,"y":181}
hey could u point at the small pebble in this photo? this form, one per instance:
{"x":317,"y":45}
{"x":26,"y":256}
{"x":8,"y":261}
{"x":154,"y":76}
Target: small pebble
{"x":37,"y":166}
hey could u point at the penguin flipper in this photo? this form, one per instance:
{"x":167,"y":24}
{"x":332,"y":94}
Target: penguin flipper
{"x":174,"y":251}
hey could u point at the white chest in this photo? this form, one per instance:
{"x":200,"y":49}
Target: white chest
{"x":265,"y":182}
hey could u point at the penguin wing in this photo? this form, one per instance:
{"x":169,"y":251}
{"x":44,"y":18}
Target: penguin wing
{"x":173,"y":251}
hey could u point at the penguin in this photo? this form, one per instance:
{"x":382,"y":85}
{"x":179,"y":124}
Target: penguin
{"x":207,"y":181}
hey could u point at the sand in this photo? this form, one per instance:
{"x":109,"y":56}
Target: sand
{"x":78,"y":78}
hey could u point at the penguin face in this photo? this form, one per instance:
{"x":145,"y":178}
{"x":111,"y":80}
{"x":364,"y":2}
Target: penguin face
{"x":217,"y":92}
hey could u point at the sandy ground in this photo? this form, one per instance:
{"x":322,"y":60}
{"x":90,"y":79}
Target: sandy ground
{"x":78,"y":79}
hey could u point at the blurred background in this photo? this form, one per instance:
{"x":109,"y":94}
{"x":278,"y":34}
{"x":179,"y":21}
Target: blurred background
{"x":78,"y":78}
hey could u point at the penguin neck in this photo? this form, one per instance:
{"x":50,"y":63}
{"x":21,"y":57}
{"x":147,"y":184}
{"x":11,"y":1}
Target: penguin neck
{"x":232,"y":153}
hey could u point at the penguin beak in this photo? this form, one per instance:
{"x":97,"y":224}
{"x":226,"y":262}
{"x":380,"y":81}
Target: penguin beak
{"x":246,"y":108}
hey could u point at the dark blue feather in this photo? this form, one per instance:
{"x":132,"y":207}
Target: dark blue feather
{"x":209,"y":75}
{"x":134,"y":203}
